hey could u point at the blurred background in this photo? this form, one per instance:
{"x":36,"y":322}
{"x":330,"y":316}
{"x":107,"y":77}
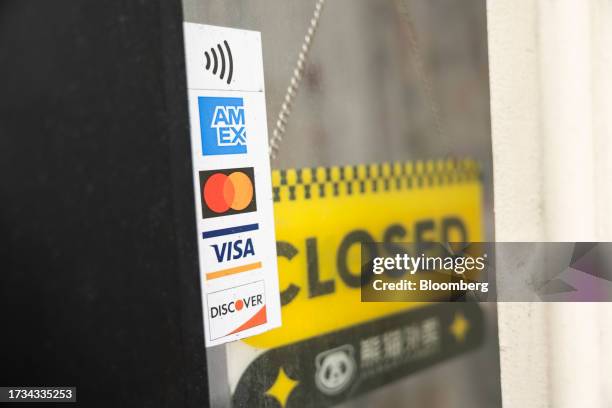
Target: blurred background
{"x":385,"y":80}
{"x":96,"y":206}
{"x":552,"y":131}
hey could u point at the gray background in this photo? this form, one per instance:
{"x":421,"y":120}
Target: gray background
{"x":364,"y":99}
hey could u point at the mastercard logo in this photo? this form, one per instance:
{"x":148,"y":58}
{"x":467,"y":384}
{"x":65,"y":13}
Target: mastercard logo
{"x":222,"y":192}
{"x":226,"y":192}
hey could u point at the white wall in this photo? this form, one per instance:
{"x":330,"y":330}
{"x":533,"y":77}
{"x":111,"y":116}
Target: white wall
{"x":552,"y":150}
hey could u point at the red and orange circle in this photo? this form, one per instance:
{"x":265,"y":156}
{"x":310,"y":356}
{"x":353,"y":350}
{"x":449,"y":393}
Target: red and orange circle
{"x":222,"y":192}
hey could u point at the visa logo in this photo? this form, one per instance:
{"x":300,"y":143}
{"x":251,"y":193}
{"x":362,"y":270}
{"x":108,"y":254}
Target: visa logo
{"x":229,"y":122}
{"x":232,"y":250}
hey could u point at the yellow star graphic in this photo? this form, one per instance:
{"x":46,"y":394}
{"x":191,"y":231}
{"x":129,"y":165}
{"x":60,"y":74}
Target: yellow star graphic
{"x":282,"y":387}
{"x":459,"y":327}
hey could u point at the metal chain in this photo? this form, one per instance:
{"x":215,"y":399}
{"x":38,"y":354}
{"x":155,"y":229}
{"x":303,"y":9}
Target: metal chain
{"x":296,"y":78}
{"x":286,"y":108}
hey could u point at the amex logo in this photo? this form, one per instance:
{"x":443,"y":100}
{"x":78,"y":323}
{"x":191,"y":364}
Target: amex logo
{"x":222,"y":125}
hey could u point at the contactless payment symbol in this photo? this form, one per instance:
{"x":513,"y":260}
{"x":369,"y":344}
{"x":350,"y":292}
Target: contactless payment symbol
{"x":227,"y":191}
{"x":222,"y":125}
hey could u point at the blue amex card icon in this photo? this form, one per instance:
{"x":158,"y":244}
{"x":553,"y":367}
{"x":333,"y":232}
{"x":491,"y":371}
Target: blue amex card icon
{"x":222,"y":125}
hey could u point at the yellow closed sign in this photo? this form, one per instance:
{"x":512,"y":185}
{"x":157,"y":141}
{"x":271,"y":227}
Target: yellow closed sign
{"x":323,"y":214}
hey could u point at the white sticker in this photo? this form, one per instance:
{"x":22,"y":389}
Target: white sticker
{"x":232,"y":181}
{"x":223,"y":58}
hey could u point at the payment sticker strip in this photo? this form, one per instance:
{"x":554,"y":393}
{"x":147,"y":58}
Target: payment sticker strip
{"x":232,"y":182}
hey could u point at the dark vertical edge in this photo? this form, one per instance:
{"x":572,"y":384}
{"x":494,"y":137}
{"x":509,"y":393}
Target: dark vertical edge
{"x":177,"y":125}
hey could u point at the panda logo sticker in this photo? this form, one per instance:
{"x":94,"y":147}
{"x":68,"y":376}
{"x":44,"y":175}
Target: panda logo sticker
{"x":336,"y":369}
